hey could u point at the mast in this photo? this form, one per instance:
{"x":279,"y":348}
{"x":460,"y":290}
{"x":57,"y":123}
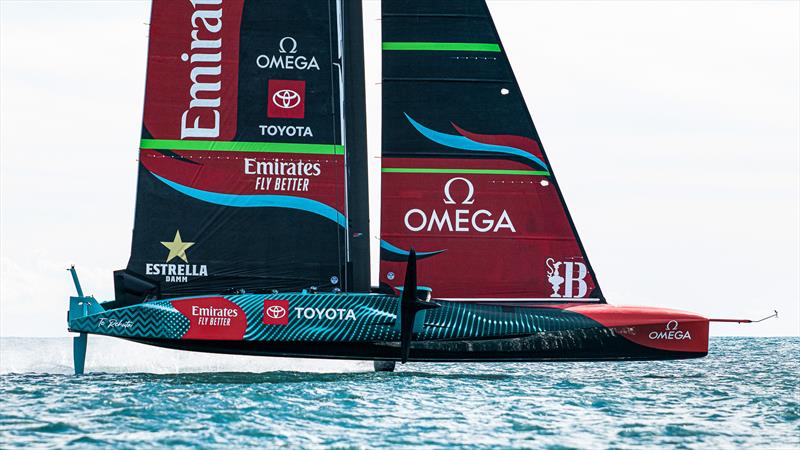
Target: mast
{"x":354,"y":123}
{"x":343,"y":136}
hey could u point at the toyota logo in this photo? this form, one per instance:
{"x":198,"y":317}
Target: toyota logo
{"x":276,"y":312}
{"x":286,"y":99}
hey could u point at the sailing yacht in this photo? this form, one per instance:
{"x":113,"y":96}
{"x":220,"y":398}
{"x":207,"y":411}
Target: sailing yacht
{"x":251,"y":231}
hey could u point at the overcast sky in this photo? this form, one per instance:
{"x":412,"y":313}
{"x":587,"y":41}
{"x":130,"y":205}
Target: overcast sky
{"x":673,"y":127}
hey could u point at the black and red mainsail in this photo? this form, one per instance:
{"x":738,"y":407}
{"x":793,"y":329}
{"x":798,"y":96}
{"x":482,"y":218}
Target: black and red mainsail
{"x":466,"y":181}
{"x":242,"y":177}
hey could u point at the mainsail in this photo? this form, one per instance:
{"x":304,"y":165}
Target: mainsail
{"x":465,"y":179}
{"x":242,"y":168}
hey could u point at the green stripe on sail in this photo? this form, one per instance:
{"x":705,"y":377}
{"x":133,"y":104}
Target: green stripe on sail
{"x":442,"y":46}
{"x":232,"y":146}
{"x":464,"y":171}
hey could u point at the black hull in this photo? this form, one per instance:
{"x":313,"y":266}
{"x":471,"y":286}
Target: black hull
{"x":519,"y":349}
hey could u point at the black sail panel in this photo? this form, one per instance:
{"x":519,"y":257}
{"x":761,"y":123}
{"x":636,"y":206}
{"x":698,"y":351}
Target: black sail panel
{"x":241,"y":175}
{"x":465,"y":179}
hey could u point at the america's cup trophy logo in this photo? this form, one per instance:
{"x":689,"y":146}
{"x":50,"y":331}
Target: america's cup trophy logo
{"x":574,"y":272}
{"x":553,"y":277}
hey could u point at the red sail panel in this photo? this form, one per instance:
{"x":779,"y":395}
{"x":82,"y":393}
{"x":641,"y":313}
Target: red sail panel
{"x":193,"y":70}
{"x":498,"y":235}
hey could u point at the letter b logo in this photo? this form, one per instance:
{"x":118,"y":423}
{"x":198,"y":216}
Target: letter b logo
{"x":574,"y":276}
{"x":574,"y":272}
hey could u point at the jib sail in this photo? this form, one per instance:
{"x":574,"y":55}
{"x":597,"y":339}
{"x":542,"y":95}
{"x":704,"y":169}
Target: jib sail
{"x":465,"y":180}
{"x":241,"y":176}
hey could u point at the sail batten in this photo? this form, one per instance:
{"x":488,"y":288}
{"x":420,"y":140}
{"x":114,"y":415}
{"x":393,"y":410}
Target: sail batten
{"x":442,"y":46}
{"x":241,"y":146}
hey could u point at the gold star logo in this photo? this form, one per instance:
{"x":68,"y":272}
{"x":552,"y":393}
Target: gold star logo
{"x":177,"y":248}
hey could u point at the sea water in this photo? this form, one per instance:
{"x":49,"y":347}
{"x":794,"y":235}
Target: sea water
{"x":745,"y":394}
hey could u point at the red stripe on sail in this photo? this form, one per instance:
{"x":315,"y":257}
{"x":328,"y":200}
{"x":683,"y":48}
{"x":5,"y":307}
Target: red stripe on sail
{"x":316,"y":177}
{"x":507,"y":140}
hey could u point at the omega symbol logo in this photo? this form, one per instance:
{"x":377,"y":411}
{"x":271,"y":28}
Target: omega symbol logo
{"x":286,"y":99}
{"x":276,"y":312}
{"x":292,"y":45}
{"x":671,"y":333}
{"x":448,"y":197}
{"x":461,"y":218}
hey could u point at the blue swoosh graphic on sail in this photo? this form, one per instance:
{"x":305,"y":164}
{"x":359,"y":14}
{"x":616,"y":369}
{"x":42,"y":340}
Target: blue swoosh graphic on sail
{"x":259,"y":201}
{"x":464,"y":143}
{"x":395,"y":253}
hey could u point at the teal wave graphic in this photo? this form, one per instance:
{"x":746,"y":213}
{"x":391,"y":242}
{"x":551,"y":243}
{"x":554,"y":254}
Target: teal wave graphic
{"x":259,"y":201}
{"x":465,"y":143}
{"x":400,"y":252}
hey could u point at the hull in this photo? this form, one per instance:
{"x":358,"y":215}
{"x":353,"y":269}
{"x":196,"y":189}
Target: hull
{"x":366,"y":326}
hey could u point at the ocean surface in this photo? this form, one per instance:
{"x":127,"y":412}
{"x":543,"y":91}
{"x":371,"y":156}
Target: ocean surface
{"x":745,"y":394}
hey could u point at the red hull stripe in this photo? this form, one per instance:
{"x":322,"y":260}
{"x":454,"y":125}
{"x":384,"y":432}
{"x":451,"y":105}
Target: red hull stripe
{"x":660,"y":328}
